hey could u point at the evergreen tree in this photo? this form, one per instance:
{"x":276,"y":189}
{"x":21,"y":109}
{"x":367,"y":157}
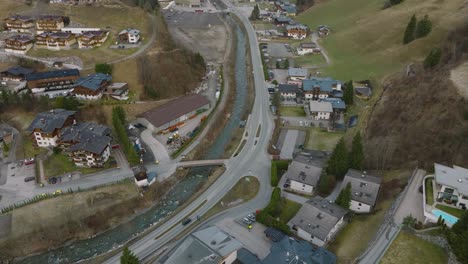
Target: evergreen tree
{"x":433,"y":58}
{"x":410,"y":30}
{"x":255,"y":13}
{"x":348,"y":93}
{"x":338,"y":162}
{"x":344,"y":198}
{"x":128,"y":257}
{"x":286,"y":64}
{"x":278,"y":66}
{"x":457,"y":237}
{"x":103,"y":68}
{"x":424,"y":27}
{"x":356,"y":156}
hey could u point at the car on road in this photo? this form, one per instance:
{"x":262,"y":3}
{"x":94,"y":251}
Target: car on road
{"x":28,"y":179}
{"x":186,"y":221}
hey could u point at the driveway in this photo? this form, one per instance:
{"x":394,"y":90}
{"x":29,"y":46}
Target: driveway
{"x":288,"y":140}
{"x":255,"y":241}
{"x":158,"y":149}
{"x":412,"y":201}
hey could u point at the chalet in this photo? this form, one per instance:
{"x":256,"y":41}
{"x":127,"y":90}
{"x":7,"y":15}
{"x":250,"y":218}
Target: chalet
{"x":91,"y":87}
{"x":174,"y":112}
{"x":19,"y":23}
{"x":303,"y":176}
{"x":91,"y":151}
{"x":323,"y":30}
{"x":118,"y":91}
{"x":318,"y":88}
{"x":297,"y":75}
{"x":140,"y":174}
{"x":19,"y":44}
{"x":308,"y":48}
{"x":46,"y":126}
{"x":50,"y":23}
{"x":131,"y":36}
{"x":52,"y":80}
{"x":297,"y":31}
{"x":318,"y":221}
{"x":364,"y":190}
{"x":320,"y":110}
{"x":16,"y":73}
{"x":451,"y":185}
{"x":75,"y":133}
{"x":288,"y":92}
{"x":92,"y":39}
{"x":208,"y":245}
{"x":55,"y":40}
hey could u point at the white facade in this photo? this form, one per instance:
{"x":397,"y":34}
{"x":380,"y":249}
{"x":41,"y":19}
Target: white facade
{"x":79,"y":30}
{"x":302,"y":51}
{"x":296,"y":35}
{"x":133,"y":38}
{"x":231,"y":258}
{"x":462,"y":199}
{"x":309,"y":96}
{"x":288,"y":95}
{"x":301,"y":187}
{"x":142,"y":183}
{"x":45,"y":142}
{"x":360,"y":207}
{"x":317,"y":241}
{"x":23,"y":50}
{"x":88,"y":97}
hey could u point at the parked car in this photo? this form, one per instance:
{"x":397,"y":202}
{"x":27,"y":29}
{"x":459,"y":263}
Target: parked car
{"x":252,"y":217}
{"x":28,"y":179}
{"x":186,"y":221}
{"x":247,"y":221}
{"x":29,"y":161}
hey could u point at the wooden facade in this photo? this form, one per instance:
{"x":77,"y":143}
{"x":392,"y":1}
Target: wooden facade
{"x":19,"y":44}
{"x":55,"y":41}
{"x":92,"y":39}
{"x":50,"y":23}
{"x":18,"y":23}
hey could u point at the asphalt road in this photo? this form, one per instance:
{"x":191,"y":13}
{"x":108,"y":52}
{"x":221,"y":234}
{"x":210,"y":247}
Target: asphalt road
{"x":253,"y":160}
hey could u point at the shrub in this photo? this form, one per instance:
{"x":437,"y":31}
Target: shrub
{"x":433,"y":58}
{"x":103,"y":68}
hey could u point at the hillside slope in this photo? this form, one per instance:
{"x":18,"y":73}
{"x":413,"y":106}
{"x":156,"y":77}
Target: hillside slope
{"x":366,"y":40}
{"x":422,"y":119}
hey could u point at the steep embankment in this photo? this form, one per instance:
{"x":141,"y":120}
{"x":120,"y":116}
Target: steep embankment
{"x":423,"y":119}
{"x":366,"y":40}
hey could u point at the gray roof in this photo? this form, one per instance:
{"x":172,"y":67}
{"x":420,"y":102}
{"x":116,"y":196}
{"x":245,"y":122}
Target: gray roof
{"x":291,"y":250}
{"x":297,"y":72}
{"x":303,"y":173}
{"x":310,"y":45}
{"x":93,"y":81}
{"x":288,"y":88}
{"x":77,"y":132}
{"x":21,"y":38}
{"x":364,"y":187}
{"x":207,"y":246}
{"x":130,"y":31}
{"x":174,"y":109}
{"x":91,"y":143}
{"x":297,"y":26}
{"x":56,"y":35}
{"x":318,"y":106}
{"x":337,"y":103}
{"x":318,"y":217}
{"x":366,"y":91}
{"x":47,"y":122}
{"x":456,"y":177}
{"x":324,"y":84}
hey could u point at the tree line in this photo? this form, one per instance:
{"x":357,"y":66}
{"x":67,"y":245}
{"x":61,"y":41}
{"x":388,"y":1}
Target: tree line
{"x":119,"y":123}
{"x":417,"y":29}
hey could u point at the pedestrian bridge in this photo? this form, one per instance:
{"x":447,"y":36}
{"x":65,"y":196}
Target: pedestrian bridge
{"x":199,"y":163}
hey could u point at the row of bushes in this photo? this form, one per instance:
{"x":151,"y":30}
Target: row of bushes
{"x":267,"y":215}
{"x":119,"y":122}
{"x":277,"y":165}
{"x":45,"y":196}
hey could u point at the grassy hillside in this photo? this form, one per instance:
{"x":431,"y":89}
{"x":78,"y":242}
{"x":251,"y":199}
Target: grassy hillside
{"x":366,"y":42}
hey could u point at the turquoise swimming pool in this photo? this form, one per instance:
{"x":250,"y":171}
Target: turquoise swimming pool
{"x":450,"y":219}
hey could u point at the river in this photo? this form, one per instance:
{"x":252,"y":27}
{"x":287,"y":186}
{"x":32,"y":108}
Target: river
{"x":106,"y":241}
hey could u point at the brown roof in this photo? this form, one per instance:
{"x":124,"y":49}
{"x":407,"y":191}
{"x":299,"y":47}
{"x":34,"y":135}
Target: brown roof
{"x":176,"y":108}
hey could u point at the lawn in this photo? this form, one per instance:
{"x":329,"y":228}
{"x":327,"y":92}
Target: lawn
{"x":408,"y":248}
{"x":322,"y":140}
{"x":244,"y":190}
{"x":355,"y":236}
{"x":292,"y":111}
{"x":450,"y":210}
{"x":366,"y":41}
{"x":58,"y":164}
{"x":429,"y":192}
{"x":309,"y":60}
{"x":29,"y":150}
{"x":288,"y":210}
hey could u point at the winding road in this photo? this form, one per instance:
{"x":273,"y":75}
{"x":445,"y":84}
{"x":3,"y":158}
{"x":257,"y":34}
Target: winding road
{"x":253,"y":160}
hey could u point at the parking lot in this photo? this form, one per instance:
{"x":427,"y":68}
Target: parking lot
{"x":254,"y":240}
{"x":293,"y":138}
{"x":279,"y":50}
{"x":13,"y":187}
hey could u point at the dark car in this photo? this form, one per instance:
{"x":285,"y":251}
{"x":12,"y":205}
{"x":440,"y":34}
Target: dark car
{"x":186,"y":221}
{"x":271,"y":90}
{"x":286,"y":185}
{"x":28,"y":179}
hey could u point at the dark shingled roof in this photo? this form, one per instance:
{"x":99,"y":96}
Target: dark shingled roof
{"x":288,"y":88}
{"x":52,"y":74}
{"x":318,"y":217}
{"x":20,"y":17}
{"x":174,"y":109}
{"x":77,"y":132}
{"x":18,"y":70}
{"x":49,"y":121}
{"x":92,"y":143}
{"x":364,"y":187}
{"x":21,"y":38}
{"x":93,"y":81}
